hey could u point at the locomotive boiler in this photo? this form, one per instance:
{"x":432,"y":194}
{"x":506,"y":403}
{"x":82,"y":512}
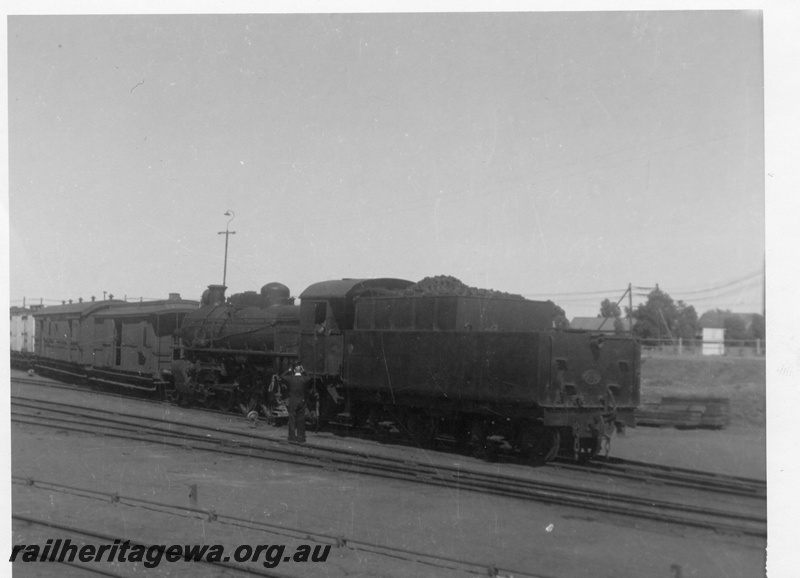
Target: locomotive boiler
{"x":232,"y":349}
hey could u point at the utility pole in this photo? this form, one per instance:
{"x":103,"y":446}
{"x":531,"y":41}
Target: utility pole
{"x":227,"y":233}
{"x":630,"y":307}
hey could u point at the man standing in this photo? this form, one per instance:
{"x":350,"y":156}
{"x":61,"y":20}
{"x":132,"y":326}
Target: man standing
{"x":298,"y":385}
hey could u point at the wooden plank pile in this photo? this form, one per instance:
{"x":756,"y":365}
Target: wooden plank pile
{"x":686,"y":412}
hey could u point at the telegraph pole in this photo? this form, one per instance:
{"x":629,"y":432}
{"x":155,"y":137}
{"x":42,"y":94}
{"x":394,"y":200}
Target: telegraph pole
{"x":630,"y":307}
{"x":227,"y":233}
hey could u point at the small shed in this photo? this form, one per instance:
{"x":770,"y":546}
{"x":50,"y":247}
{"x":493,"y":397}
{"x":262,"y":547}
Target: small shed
{"x":23,"y":329}
{"x":713,"y":341}
{"x":601,"y":324}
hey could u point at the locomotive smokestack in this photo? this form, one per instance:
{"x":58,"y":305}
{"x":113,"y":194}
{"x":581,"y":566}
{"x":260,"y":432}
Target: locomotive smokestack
{"x":216,"y":295}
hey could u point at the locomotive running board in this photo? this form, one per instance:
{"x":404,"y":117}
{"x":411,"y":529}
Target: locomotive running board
{"x":242,"y":352}
{"x":128,"y":385}
{"x":46,"y":368}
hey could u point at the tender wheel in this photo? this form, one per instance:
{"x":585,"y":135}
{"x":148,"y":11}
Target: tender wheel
{"x":482,"y":447}
{"x":182,"y":399}
{"x":422,"y":427}
{"x":554,"y":443}
{"x":545,"y":446}
{"x":462,"y":434}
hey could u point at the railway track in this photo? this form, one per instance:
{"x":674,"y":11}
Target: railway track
{"x":746,"y":519}
{"x":655,"y":474}
{"x":220,"y":568}
{"x":437,"y":562}
{"x":669,"y":476}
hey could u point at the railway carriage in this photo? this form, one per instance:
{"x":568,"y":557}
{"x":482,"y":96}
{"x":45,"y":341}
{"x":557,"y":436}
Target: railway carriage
{"x":111,"y":342}
{"x":65,"y":334}
{"x":133,"y":344}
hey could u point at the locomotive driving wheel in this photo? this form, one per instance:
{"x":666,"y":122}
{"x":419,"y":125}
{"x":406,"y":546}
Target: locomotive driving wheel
{"x":206,"y":382}
{"x":247,"y":396}
{"x":225,"y":398}
{"x":248,"y":401}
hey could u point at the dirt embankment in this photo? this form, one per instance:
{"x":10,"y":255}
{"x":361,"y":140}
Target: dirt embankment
{"x":743,"y":380}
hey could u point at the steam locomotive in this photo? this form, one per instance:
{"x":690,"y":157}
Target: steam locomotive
{"x":484,"y":369}
{"x":232,"y":352}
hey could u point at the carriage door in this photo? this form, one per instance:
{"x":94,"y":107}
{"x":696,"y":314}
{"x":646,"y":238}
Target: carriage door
{"x":117,"y":342}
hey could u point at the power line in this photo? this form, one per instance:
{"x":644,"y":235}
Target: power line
{"x":749,"y":277}
{"x":577,"y":293}
{"x":744,"y":286}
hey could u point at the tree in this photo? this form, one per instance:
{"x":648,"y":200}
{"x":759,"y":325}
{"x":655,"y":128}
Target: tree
{"x":688,"y":326}
{"x":735,"y":325}
{"x":735,"y":330}
{"x":609,"y":309}
{"x":560,"y":320}
{"x":660,"y":317}
{"x":758,"y":329}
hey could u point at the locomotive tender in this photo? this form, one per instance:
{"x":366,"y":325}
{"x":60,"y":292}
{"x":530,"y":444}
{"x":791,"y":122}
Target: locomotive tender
{"x":489,"y":370}
{"x":484,"y":368}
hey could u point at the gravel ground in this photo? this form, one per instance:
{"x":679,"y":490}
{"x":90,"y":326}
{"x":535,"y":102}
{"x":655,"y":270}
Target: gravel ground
{"x":514,"y":536}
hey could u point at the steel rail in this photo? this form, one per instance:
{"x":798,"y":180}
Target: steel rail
{"x":434,"y":560}
{"x":629,"y":469}
{"x":95,"y":535}
{"x":606,"y":502}
{"x":601,"y":467}
{"x":626,"y":469}
{"x":666,"y":475}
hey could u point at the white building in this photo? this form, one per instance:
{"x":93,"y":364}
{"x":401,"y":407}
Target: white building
{"x":22,"y":329}
{"x":713,"y":341}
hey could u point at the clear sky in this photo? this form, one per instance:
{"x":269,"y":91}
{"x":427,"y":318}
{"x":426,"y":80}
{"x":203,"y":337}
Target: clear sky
{"x":556,"y":155}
